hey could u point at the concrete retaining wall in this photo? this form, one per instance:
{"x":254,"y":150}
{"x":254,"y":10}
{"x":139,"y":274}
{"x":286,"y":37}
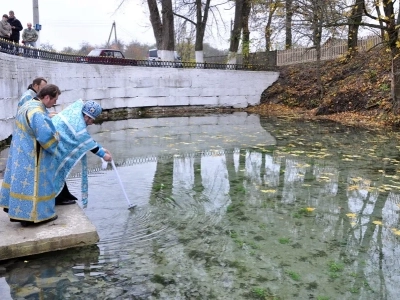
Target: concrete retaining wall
{"x":130,"y":87}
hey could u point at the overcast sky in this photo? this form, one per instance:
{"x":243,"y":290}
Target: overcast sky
{"x":71,"y":22}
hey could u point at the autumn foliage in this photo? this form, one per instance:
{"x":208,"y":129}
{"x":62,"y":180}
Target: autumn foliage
{"x":356,"y":90}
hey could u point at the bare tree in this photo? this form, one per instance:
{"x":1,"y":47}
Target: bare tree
{"x":354,"y":25}
{"x":246,"y":31}
{"x":47,"y":47}
{"x":197,"y":12}
{"x":314,"y":15}
{"x":273,"y":5}
{"x":386,"y":18}
{"x":268,"y":18}
{"x":163,"y":28}
{"x":288,"y":23}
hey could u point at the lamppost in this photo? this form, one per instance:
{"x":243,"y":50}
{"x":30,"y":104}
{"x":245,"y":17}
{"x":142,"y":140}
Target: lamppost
{"x":35,"y":5}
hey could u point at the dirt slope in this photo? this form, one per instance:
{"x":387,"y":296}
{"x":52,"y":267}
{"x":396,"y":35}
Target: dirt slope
{"x":356,"y":91}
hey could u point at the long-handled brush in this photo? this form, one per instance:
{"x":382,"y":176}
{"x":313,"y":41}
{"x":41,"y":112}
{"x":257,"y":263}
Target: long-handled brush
{"x":130,"y":205}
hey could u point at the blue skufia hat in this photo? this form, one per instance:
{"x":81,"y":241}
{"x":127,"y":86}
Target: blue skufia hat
{"x":92,"y":109}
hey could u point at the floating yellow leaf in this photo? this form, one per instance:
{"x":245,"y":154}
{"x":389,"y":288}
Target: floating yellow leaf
{"x":351,"y":215}
{"x":356,"y":179}
{"x":396,"y":232}
{"x":310,"y":209}
{"x":268,"y":191}
{"x":353,"y":224}
{"x":352,"y":188}
{"x":377,"y":222}
{"x":328,"y":174}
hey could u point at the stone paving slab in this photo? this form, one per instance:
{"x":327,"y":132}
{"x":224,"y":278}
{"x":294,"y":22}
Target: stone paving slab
{"x":71,"y":229}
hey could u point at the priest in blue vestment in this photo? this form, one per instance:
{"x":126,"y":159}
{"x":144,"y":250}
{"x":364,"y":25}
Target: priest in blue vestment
{"x":71,"y":124}
{"x":27,"y":192}
{"x":34,"y":88}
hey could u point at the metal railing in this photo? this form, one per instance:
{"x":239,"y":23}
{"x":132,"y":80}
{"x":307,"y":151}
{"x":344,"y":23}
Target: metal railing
{"x":15,"y":49}
{"x":330,"y":50}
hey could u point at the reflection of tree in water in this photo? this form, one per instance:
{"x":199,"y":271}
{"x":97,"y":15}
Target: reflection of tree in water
{"x":363,"y":245}
{"x":223,"y":223}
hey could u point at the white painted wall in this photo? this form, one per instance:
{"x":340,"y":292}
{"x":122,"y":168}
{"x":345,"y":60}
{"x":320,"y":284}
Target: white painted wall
{"x":124,"y":86}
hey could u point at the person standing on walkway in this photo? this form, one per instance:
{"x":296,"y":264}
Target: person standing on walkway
{"x":5,"y":28}
{"x":29,"y":36}
{"x":71,"y":124}
{"x":27,"y":193}
{"x":34,"y":88}
{"x":16,"y":27}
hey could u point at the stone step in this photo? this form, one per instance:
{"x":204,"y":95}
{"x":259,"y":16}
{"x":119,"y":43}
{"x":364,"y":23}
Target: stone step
{"x":71,"y":229}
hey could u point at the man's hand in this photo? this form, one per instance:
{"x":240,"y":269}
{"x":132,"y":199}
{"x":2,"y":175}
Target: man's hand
{"x":107,"y":157}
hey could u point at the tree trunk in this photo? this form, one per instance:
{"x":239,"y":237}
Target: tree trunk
{"x":168,"y":42}
{"x":235,"y":34}
{"x":354,"y":24}
{"x":267,"y":36}
{"x":395,"y":85}
{"x":317,"y":36}
{"x":246,"y":31}
{"x":155,"y":22}
{"x":163,"y":30}
{"x":393,"y":35}
{"x":200,"y":29}
{"x":268,"y":30}
{"x":288,"y":24}
{"x":268,"y":33}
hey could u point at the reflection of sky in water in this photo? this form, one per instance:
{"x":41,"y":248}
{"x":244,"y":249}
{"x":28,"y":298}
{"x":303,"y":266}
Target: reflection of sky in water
{"x":227,"y":204}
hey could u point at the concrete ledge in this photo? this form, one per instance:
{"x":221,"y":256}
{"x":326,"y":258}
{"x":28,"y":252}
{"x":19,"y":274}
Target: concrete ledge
{"x":71,"y":229}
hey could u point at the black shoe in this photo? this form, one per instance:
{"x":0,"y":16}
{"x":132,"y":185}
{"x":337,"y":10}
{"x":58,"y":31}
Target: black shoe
{"x":5,"y":210}
{"x":27,"y":223}
{"x":23,"y":223}
{"x":48,"y":220}
{"x":65,"y":201}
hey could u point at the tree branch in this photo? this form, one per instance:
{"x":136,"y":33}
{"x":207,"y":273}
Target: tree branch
{"x":183,"y":17}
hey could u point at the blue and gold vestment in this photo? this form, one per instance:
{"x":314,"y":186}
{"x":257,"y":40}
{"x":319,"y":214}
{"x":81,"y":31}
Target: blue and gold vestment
{"x":27,"y":189}
{"x":75,"y":141}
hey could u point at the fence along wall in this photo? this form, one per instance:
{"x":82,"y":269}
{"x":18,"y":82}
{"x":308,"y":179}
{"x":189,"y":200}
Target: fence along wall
{"x":330,"y":50}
